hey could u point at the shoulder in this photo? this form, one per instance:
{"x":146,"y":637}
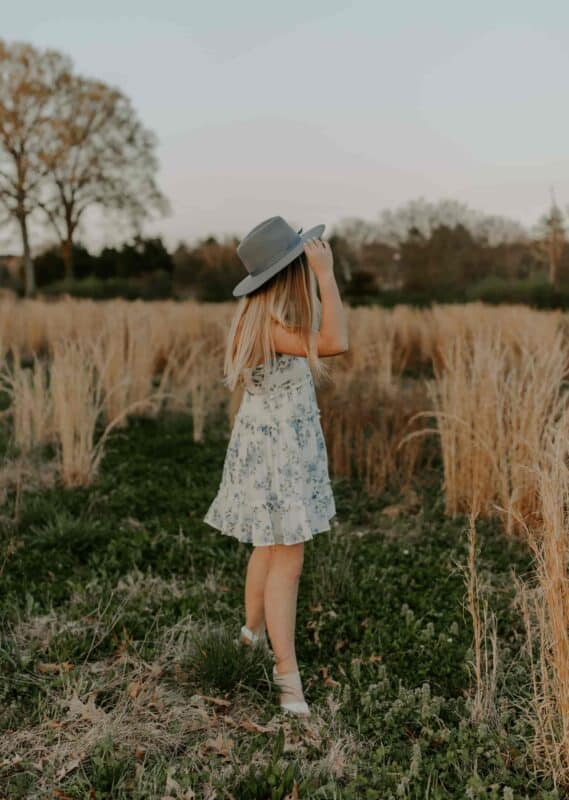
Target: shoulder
{"x":287,"y":341}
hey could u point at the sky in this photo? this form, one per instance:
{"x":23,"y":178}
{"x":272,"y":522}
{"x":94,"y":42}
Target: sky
{"x":321,"y":110}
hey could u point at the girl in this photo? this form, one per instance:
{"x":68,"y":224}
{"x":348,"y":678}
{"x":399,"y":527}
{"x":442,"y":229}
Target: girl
{"x":275,"y":491}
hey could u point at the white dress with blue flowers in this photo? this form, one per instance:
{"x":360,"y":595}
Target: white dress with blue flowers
{"x":275,"y":487}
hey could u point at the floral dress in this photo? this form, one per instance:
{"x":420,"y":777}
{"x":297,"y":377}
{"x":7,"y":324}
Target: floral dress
{"x":275,"y":487}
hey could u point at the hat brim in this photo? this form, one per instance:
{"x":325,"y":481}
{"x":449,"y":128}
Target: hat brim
{"x":252,"y":282}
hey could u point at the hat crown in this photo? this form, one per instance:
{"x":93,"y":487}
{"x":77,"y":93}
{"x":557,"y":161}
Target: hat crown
{"x":266,"y":243}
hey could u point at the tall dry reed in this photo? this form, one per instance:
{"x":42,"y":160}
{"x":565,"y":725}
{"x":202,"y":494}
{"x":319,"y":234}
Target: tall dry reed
{"x":364,"y":424}
{"x":544,"y":600}
{"x":485,"y":637}
{"x":31,"y":407}
{"x":125,"y":357}
{"x":192,"y":379}
{"x":493,"y":397}
{"x":78,"y":397}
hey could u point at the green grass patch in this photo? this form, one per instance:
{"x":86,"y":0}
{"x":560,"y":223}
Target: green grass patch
{"x":120,"y":675}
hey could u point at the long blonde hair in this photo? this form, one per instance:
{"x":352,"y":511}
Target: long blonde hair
{"x":290,"y":298}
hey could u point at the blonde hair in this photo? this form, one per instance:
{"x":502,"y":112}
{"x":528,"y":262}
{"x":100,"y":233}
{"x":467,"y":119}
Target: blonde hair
{"x":290,"y":298}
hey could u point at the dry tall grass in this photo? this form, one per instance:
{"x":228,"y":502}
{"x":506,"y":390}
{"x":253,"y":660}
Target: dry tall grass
{"x":31,"y":406}
{"x":364,"y":423}
{"x":129,"y":358}
{"x":485,"y":637}
{"x":497,"y":372}
{"x":192,"y":378}
{"x":79,"y":400}
{"x":498,"y":397}
{"x":544,"y":600}
{"x":369,"y":407}
{"x":494,"y":396}
{"x":125,"y":356}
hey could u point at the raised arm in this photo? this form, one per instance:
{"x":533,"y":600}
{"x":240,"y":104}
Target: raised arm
{"x":332,"y":338}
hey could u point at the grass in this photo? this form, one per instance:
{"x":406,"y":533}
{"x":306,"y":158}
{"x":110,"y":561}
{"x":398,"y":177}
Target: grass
{"x":119,"y":675}
{"x":217,"y":662}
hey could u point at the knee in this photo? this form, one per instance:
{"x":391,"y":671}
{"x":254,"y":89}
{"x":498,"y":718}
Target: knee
{"x":288,"y":559}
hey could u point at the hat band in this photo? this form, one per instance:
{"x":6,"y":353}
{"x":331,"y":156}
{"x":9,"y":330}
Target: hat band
{"x":260,"y":270}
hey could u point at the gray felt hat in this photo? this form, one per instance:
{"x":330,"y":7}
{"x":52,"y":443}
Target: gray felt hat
{"x":268,"y":248}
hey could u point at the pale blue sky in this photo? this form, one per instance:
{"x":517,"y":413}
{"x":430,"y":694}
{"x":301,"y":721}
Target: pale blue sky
{"x":323,"y":109}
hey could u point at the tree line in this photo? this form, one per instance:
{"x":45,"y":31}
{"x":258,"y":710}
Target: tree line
{"x":416,"y":253}
{"x":69,"y":143}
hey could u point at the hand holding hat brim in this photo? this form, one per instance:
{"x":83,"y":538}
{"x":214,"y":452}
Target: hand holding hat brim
{"x":252,"y":282}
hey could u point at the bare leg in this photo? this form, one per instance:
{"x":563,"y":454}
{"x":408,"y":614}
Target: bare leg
{"x":281,"y":592}
{"x":257,"y":570}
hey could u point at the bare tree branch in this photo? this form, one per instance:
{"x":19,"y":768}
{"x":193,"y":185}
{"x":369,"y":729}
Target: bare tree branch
{"x":99,"y":155}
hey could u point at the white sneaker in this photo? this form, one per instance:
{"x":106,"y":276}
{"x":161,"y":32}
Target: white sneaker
{"x":247,"y":637}
{"x":290,"y":686}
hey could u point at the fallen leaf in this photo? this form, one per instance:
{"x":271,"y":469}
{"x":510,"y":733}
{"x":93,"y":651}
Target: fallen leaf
{"x":249,"y":725}
{"x":220,"y":744}
{"x":218,"y":701}
{"x":155,"y":701}
{"x":72,"y":764}
{"x":393,"y":510}
{"x":133,"y":689}
{"x":312,"y":625}
{"x":328,"y":681}
{"x":50,"y":668}
{"x":88,"y":710}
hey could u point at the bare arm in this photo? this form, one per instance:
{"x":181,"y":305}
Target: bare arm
{"x":332,"y":338}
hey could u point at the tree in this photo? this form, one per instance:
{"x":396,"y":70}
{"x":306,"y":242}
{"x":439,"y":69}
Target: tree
{"x":552,"y":240}
{"x":356,"y":232}
{"x":210,"y":269}
{"x":446,"y":261}
{"x":49,"y":265}
{"x":142,"y":257}
{"x":424,"y":217}
{"x":100,"y":155}
{"x":29,"y":79}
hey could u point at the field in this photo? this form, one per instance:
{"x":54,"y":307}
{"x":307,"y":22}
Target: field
{"x":433,"y":624}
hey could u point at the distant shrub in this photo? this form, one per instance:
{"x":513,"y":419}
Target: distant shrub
{"x":532,"y":291}
{"x":155,"y":285}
